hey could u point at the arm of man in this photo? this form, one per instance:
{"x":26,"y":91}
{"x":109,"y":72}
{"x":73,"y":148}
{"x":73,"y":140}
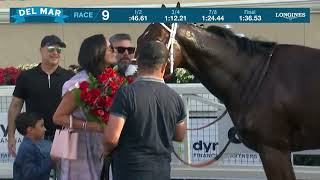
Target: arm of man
{"x":118,"y":113}
{"x":112,"y":133}
{"x":14,"y":109}
{"x":181,"y":130}
{"x":181,"y":126}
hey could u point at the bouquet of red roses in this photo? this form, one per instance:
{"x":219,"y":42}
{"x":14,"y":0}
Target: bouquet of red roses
{"x":95,"y":95}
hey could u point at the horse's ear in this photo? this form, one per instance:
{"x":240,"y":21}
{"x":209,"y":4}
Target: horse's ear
{"x":163,"y":6}
{"x":178,"y":5}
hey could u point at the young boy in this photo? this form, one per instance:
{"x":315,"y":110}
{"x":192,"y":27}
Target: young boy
{"x":31,"y":163}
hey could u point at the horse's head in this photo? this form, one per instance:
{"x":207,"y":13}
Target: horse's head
{"x":186,"y":40}
{"x":164,"y":33}
{"x":161,"y":32}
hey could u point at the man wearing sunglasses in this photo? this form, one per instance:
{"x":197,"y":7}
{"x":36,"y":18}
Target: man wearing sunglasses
{"x":40,"y":89}
{"x":122,"y":44}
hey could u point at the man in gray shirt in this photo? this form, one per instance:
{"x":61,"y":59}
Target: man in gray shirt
{"x":146,"y":116}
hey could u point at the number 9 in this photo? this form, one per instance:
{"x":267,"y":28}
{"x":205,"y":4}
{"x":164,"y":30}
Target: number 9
{"x":105,"y":15}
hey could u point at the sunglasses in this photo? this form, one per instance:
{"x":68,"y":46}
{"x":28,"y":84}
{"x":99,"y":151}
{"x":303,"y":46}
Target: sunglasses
{"x":121,"y":49}
{"x":53,"y":48}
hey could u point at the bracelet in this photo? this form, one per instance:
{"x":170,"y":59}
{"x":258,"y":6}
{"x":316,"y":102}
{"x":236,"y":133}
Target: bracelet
{"x":70,"y":121}
{"x":85,"y":125}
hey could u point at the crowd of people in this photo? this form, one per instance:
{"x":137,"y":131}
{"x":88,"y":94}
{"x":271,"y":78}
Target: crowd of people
{"x":145,"y":117}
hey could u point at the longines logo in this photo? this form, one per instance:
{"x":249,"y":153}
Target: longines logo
{"x":290,"y":16}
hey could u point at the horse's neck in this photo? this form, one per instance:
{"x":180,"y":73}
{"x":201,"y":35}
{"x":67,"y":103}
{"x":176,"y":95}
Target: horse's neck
{"x":228,"y":77}
{"x":218,"y":63}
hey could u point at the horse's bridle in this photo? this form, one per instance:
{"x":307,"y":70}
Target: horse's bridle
{"x":173,"y":32}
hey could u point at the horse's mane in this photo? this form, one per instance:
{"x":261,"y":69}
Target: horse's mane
{"x":251,"y":46}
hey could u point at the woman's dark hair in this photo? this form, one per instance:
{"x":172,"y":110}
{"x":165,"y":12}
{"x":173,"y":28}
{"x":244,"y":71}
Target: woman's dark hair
{"x":25,"y":120}
{"x":91,"y":54}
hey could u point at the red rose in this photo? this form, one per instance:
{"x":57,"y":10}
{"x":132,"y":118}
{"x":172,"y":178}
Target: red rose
{"x":97,"y":101}
{"x":84,"y":85}
{"x":110,"y":73}
{"x":84,"y":95}
{"x":108,"y":101}
{"x":100,"y":112}
{"x":87,"y":98}
{"x":102,"y":78}
{"x":113,"y":85}
{"x":120,"y":79}
{"x":95,"y":92}
{"x":92,"y":100}
{"x":97,"y":112}
{"x":101,"y":101}
{"x":105,"y":117}
{"x":130,"y":79}
{"x":113,"y":92}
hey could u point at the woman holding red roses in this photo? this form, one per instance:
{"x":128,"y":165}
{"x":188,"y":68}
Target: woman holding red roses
{"x":94,"y":56}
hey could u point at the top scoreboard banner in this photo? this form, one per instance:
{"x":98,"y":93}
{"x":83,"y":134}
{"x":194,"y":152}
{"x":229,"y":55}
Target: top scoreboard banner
{"x":164,"y":15}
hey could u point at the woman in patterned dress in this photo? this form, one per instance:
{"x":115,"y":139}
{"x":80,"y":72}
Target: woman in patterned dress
{"x":95,"y":54}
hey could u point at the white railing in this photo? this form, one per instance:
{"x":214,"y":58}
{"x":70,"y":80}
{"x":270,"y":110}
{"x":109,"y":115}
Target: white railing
{"x":238,"y":161}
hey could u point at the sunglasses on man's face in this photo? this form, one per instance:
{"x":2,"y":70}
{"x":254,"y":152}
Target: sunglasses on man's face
{"x":53,"y":48}
{"x":121,"y":49}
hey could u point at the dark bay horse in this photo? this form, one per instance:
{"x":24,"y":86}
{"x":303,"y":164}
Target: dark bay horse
{"x":271,"y":91}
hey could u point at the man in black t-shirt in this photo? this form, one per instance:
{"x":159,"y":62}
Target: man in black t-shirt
{"x":40,"y":88}
{"x":146,"y":116}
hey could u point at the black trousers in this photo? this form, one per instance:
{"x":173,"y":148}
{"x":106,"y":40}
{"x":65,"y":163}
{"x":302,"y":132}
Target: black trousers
{"x":105,"y":168}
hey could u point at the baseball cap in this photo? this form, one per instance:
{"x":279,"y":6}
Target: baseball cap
{"x":153,"y":52}
{"x":52,"y":40}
